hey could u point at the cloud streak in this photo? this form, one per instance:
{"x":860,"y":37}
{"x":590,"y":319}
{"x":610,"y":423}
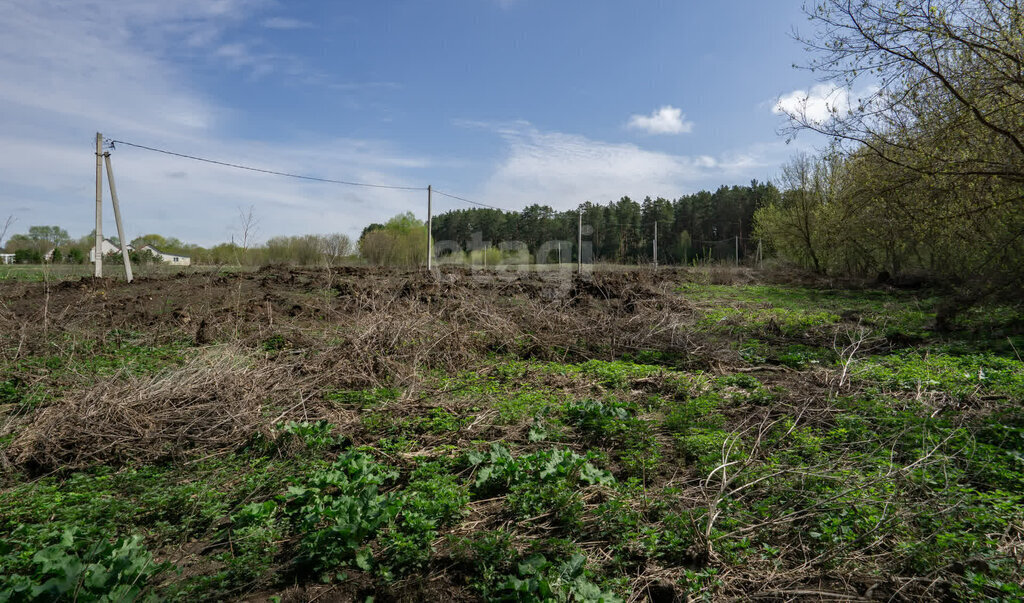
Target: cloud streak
{"x":71,"y":68}
{"x":285,"y":23}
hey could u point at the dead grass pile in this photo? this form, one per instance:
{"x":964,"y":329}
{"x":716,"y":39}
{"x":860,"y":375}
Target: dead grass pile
{"x":392,"y":334}
{"x":391,"y":331}
{"x":215,"y":402}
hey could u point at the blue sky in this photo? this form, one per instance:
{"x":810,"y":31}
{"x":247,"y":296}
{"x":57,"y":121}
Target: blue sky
{"x":508,"y":102}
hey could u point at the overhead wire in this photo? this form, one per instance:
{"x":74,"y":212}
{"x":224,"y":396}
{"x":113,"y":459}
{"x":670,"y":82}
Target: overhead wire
{"x":464,"y":200}
{"x":299,"y":176}
{"x":265,"y":171}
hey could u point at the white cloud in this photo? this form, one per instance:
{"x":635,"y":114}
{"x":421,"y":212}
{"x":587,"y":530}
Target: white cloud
{"x":69,"y":68}
{"x":822,"y":102}
{"x":666,"y":120}
{"x":285,"y":23}
{"x":563,"y":170}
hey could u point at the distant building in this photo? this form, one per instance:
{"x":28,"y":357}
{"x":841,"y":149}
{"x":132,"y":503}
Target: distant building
{"x":168,"y":258}
{"x":106,"y":248}
{"x":6,"y":258}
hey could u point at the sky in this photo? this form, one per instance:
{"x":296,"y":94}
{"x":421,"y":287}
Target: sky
{"x":504,"y":102}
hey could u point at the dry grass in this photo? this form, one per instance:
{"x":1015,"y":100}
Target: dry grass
{"x":380,"y":335}
{"x":211,"y":404}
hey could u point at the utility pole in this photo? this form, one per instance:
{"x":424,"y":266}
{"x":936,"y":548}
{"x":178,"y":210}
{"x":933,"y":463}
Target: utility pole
{"x":655,"y":244}
{"x":579,"y":245}
{"x":737,"y":251}
{"x":117,"y":219}
{"x":98,"y":250}
{"x":430,"y":227}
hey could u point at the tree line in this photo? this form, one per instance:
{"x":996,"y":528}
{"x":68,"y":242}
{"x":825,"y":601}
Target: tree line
{"x":697,"y":226}
{"x":53,"y":244}
{"x":704,"y":225}
{"x":925,"y":175}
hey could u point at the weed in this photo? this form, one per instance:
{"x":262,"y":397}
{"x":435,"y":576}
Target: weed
{"x":275,"y":343}
{"x":536,"y":579}
{"x":84,"y":569}
{"x":696,"y":412}
{"x":958,"y":375}
{"x":256,"y":531}
{"x":522,"y":404}
{"x":617,"y":374}
{"x":538,"y":484}
{"x":338,"y":510}
{"x":707,"y":447}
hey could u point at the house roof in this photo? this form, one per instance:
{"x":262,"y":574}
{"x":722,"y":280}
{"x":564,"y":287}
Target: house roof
{"x":154,"y":249}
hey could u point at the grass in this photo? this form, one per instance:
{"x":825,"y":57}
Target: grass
{"x":750,"y":453}
{"x":115,"y":270}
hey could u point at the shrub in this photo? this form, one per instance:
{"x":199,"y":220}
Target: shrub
{"x":536,"y":579}
{"x":338,"y":510}
{"x":81,"y":570}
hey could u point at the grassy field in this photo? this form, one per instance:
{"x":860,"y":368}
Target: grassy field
{"x":295,"y":434}
{"x":114,"y":270}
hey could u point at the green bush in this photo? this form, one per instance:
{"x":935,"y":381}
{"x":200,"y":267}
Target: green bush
{"x":701,"y":411}
{"x":81,"y":570}
{"x":544,"y":482}
{"x":433,"y":499}
{"x":338,"y":511}
{"x":538,"y":580}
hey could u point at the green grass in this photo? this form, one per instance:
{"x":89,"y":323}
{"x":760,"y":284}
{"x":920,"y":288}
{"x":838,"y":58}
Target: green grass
{"x":791,"y":311}
{"x":721,"y":462}
{"x":962,"y":376}
{"x":37,"y":273}
{"x":35,"y":380}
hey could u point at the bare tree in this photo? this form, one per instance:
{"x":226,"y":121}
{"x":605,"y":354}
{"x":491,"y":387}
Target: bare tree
{"x":7,"y":226}
{"x":248,"y":224}
{"x":939,"y":123}
{"x":334,"y":247}
{"x":945,"y":82}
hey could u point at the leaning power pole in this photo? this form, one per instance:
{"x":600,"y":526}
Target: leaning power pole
{"x":98,"y":250}
{"x":117,"y":219}
{"x":430,"y":225}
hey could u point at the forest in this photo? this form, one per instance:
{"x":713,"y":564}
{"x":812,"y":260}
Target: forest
{"x":702,"y":225}
{"x":925,"y":171}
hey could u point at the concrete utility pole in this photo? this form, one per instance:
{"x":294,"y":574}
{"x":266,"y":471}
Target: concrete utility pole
{"x":430,"y":228}
{"x":117,"y":219}
{"x":579,"y":245}
{"x":98,"y":250}
{"x":655,"y":245}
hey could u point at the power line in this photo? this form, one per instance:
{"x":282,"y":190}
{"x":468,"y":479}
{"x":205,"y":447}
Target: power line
{"x":463,"y":199}
{"x":275,"y":173}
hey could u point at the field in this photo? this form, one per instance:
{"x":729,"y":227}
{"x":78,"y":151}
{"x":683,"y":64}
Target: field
{"x":294,"y":435}
{"x":62,"y":272}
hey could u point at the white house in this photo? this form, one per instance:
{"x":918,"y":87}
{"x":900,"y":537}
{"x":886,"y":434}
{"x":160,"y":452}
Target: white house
{"x":105,"y":247}
{"x":6,"y":258}
{"x":168,"y":258}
